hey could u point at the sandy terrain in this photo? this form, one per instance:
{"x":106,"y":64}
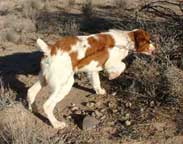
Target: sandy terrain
{"x":143,"y":106}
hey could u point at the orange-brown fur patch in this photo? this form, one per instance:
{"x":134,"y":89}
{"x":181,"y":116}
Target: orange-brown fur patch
{"x":141,"y":40}
{"x":131,"y":36}
{"x":98,"y":50}
{"x":103,"y":41}
{"x":74,"y":59}
{"x":64,"y":44}
{"x":100,"y":57}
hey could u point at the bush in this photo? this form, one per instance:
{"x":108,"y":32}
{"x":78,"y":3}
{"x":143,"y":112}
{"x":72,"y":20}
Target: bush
{"x":87,"y":9}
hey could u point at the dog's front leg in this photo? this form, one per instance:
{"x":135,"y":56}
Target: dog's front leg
{"x":60,"y":91}
{"x":114,"y":65}
{"x":95,"y":81}
{"x":115,"y":70}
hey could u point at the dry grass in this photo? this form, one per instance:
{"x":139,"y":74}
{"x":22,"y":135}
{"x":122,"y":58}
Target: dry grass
{"x":7,"y":96}
{"x":87,"y":9}
{"x":17,"y":126}
{"x":174,"y":84}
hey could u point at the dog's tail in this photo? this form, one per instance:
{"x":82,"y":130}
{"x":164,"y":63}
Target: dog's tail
{"x":43,"y":46}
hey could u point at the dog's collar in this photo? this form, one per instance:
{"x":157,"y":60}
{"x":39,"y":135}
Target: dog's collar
{"x":123,"y":47}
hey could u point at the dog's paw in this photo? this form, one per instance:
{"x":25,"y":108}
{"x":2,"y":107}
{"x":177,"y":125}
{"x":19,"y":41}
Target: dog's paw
{"x":101,"y":91}
{"x":113,"y":75}
{"x":59,"y":125}
{"x":30,"y":107}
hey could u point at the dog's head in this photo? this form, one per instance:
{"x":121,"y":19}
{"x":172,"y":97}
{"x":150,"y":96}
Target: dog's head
{"x":142,"y":41}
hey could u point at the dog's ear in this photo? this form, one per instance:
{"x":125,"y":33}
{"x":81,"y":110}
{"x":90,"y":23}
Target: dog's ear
{"x":43,"y":46}
{"x":142,"y":40}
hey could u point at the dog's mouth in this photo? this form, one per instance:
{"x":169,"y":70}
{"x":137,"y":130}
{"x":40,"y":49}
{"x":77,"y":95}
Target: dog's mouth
{"x":150,"y":51}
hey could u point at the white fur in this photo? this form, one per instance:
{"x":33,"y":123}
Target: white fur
{"x":92,"y":66}
{"x":43,"y":46}
{"x":32,"y":92}
{"x":95,"y":81}
{"x":59,"y":74}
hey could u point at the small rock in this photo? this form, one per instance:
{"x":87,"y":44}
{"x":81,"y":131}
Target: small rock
{"x":126,"y":117}
{"x":93,"y":114}
{"x":103,"y":117}
{"x":75,"y":108}
{"x":127,"y":123}
{"x":128,"y":104}
{"x":90,"y":104}
{"x":103,"y":110}
{"x":97,"y":113}
{"x":69,"y":117}
{"x":141,"y":109}
{"x":89,"y":123}
{"x":114,"y":93}
{"x":152,"y":104}
{"x":12,"y":36}
{"x":73,"y":105}
{"x":110,"y":104}
{"x":115,"y":111}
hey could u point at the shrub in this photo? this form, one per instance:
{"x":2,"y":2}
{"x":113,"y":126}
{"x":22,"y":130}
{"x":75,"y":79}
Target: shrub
{"x":87,"y":9}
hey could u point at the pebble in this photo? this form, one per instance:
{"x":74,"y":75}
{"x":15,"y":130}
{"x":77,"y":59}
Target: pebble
{"x":114,"y":93}
{"x":141,"y":109}
{"x":128,"y":104}
{"x":93,"y":114}
{"x":126,"y":117}
{"x":103,"y":110}
{"x":89,"y":123}
{"x":75,"y":108}
{"x":90,"y":104}
{"x":98,"y":114}
{"x":103,"y":117}
{"x":73,"y":105}
{"x":69,"y":117}
{"x":152,"y":104}
{"x":115,"y":111}
{"x":127,"y":123}
{"x":110,"y":104}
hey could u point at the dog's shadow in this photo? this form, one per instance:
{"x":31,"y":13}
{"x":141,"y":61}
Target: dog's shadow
{"x":12,"y":66}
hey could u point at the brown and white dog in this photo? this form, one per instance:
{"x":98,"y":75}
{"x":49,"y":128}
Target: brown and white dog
{"x":91,"y":54}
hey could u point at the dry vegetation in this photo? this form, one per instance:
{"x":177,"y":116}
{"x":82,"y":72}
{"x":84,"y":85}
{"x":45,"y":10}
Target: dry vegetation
{"x":145,"y":104}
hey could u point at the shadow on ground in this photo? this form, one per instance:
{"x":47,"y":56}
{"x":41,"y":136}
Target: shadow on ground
{"x":19,"y":64}
{"x":22,"y":64}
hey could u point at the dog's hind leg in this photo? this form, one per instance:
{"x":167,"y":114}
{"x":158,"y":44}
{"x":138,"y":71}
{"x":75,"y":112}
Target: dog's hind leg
{"x":60,"y":91}
{"x":33,"y":91}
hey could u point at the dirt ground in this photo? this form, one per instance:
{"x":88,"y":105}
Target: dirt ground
{"x":143,"y":106}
